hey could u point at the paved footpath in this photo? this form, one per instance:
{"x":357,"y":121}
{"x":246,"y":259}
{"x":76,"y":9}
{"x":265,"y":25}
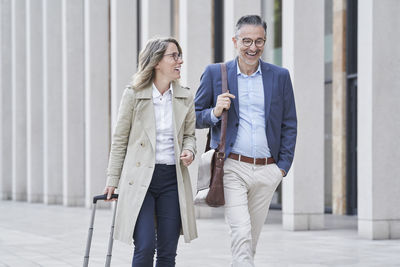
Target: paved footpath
{"x":55,"y":236}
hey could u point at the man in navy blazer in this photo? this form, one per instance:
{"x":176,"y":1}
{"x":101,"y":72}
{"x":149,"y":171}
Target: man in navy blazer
{"x":260,"y":136}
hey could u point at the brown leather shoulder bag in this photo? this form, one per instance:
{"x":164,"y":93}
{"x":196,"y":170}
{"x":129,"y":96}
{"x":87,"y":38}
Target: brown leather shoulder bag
{"x":215,"y":196}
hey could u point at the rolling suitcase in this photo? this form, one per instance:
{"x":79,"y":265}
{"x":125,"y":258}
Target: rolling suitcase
{"x":90,"y":232}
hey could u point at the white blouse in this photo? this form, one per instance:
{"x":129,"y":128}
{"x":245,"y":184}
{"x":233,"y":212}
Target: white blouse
{"x":165,"y":153}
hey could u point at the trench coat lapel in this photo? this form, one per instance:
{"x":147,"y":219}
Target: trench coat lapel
{"x":178,"y":105}
{"x":145,"y":113}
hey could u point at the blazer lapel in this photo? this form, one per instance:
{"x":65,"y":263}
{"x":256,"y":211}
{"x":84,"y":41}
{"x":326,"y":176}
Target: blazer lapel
{"x":178,"y":105}
{"x":145,"y":113}
{"x":268,"y":79}
{"x":231,"y":69}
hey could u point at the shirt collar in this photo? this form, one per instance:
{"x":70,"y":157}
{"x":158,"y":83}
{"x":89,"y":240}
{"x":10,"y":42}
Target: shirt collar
{"x":157,"y":93}
{"x":257,"y":72}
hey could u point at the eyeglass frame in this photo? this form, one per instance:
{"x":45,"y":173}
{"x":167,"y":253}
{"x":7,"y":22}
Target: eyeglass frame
{"x":252,"y":41}
{"x":176,"y":56}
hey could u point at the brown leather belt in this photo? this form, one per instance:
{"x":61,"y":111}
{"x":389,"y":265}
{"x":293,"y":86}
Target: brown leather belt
{"x":257,"y":161}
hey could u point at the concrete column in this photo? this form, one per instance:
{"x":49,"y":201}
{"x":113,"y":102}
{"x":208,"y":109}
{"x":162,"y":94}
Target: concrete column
{"x":6,"y":101}
{"x":268,"y":15}
{"x":97,"y":69}
{"x":155,"y":19}
{"x":196,"y":42}
{"x":378,"y":123}
{"x":34,"y":87}
{"x":303,"y":55}
{"x":1,"y":100}
{"x":123,"y":49}
{"x":339,"y":108}
{"x":18,"y":65}
{"x":73,"y":137}
{"x":52,"y":70}
{"x":233,"y":10}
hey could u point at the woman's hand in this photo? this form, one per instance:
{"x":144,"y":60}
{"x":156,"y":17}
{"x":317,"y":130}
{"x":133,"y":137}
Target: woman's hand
{"x":109,"y":190}
{"x":187,"y":157}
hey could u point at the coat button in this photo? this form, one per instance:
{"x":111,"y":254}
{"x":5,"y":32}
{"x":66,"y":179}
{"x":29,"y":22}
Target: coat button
{"x":130,"y":183}
{"x":237,"y":124}
{"x":138,"y":164}
{"x":231,"y":144}
{"x":142,"y":144}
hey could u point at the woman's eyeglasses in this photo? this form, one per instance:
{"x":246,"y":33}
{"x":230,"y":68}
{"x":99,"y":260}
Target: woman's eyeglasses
{"x":176,"y":56}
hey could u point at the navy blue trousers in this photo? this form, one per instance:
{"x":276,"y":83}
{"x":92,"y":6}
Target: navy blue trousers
{"x":161,"y":203}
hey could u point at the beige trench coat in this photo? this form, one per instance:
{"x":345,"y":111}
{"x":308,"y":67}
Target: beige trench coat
{"x":132,"y":157}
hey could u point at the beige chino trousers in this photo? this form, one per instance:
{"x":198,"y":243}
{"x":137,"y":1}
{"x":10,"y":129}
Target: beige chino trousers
{"x":248,"y":192}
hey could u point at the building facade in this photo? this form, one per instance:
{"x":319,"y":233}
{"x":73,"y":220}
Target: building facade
{"x":65,"y":63}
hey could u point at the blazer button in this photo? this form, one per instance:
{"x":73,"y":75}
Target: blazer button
{"x":138,"y":164}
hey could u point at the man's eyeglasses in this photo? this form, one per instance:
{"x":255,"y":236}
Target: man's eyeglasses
{"x":248,"y":42}
{"x":176,"y":56}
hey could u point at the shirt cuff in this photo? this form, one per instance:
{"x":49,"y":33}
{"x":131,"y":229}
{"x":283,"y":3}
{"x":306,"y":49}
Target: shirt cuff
{"x":214,"y":119}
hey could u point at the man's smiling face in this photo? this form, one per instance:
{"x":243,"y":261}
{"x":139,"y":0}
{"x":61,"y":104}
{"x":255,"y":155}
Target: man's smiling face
{"x":249,"y":55}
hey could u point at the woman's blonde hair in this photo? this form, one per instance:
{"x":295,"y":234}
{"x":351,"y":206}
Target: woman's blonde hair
{"x":149,"y":57}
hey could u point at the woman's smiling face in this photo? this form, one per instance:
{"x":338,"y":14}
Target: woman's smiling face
{"x":168,"y":67}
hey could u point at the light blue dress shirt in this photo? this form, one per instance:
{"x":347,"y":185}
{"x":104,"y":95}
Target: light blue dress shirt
{"x":251,"y":140}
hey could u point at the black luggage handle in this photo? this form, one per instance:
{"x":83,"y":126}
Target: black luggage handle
{"x":103,"y":197}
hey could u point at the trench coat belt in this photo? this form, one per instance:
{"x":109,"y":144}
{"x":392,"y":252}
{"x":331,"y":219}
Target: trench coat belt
{"x":257,"y":161}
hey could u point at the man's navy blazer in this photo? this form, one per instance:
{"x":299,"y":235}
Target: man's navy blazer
{"x":280,"y":109}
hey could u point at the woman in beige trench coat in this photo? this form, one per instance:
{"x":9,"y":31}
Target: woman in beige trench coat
{"x":153,"y":143}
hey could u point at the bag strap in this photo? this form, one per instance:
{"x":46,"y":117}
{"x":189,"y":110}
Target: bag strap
{"x":224,"y":119}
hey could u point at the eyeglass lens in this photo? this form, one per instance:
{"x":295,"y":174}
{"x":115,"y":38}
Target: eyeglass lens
{"x":176,"y":56}
{"x":248,"y":42}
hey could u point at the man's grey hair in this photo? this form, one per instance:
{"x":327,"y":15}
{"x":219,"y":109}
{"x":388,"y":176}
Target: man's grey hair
{"x":250,"y":20}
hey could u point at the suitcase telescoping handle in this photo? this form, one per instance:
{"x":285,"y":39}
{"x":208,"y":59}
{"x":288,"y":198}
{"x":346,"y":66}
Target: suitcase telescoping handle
{"x":90,"y":232}
{"x":103,"y":197}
